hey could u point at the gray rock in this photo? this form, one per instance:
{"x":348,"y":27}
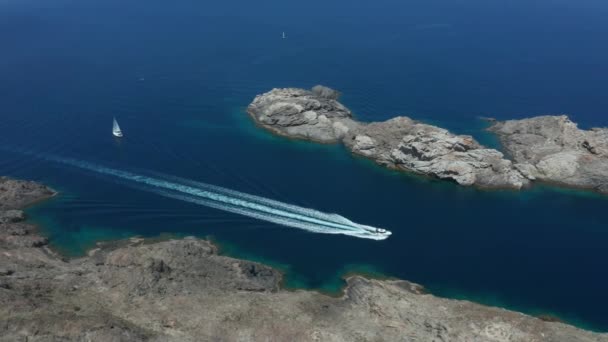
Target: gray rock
{"x":399,"y":143}
{"x":405,"y":144}
{"x":554,"y":149}
{"x":302,"y":114}
{"x":325,"y":92}
{"x":11,"y":216}
{"x":17,"y":193}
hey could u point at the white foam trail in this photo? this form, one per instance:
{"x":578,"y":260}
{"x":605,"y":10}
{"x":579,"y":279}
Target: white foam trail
{"x":237,"y":202}
{"x":257,"y":215}
{"x":335,"y":218}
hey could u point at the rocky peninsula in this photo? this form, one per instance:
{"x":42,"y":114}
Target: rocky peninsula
{"x":546,"y":148}
{"x":400,"y":143}
{"x":183,"y":290}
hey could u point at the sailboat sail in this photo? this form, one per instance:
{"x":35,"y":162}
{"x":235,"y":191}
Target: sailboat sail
{"x":116,"y":129}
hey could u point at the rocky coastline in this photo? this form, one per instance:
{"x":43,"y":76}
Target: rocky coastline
{"x":183,"y":290}
{"x":547,"y":148}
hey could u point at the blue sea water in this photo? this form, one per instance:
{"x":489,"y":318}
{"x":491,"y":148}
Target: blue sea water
{"x":178,"y":76}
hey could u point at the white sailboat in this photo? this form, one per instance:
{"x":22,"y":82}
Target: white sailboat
{"x":116,"y":129}
{"x":284,"y":36}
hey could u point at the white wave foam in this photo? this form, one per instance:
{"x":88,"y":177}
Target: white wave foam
{"x":237,"y":202}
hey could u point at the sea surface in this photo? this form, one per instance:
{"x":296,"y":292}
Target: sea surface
{"x":178,"y":76}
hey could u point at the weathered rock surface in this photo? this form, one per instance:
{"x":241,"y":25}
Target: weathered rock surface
{"x":409,"y":145}
{"x":182,"y":290}
{"x":18,"y":194}
{"x":399,"y":143}
{"x":554,"y":149}
{"x":298,"y":113}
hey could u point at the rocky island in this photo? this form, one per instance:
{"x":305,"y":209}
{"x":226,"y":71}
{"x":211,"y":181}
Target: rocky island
{"x":400,"y":143}
{"x":545,"y":148}
{"x":183,"y":290}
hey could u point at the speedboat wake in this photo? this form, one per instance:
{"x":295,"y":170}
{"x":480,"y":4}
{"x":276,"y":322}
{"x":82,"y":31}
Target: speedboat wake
{"x":256,"y":207}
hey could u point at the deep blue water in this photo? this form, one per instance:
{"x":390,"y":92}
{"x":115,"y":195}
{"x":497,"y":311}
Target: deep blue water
{"x":179,"y":74}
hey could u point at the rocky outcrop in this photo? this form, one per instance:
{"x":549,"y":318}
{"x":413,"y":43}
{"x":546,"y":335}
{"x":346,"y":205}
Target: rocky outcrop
{"x":297,"y":113}
{"x":409,"y":145}
{"x":400,"y":143}
{"x":14,"y":233}
{"x":182,"y":290}
{"x":18,"y":194}
{"x":554,"y":149}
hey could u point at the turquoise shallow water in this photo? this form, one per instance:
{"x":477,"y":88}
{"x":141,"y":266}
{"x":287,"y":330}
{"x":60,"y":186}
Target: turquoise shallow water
{"x":178,"y":77}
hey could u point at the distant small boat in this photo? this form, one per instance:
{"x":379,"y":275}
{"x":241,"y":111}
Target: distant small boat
{"x":284,"y":36}
{"x":116,"y":129}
